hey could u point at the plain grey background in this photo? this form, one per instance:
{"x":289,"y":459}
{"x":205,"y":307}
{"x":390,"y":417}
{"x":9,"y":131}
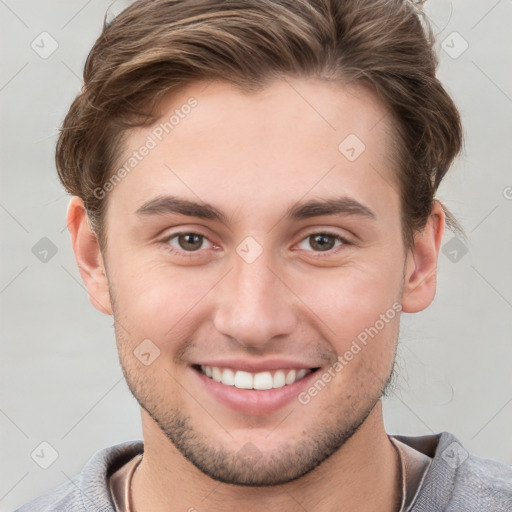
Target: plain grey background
{"x":61,"y":382}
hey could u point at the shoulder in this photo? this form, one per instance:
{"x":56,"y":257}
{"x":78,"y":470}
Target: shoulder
{"x":458,"y":481}
{"x":65,"y":497}
{"x":484,"y":481}
{"x":88,"y":491}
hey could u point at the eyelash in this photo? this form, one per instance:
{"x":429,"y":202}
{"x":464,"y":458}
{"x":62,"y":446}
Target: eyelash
{"x":330,"y":252}
{"x":193,"y":254}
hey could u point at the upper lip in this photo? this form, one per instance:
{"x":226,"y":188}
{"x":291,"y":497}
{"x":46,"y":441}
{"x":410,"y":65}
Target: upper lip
{"x":257,"y":366}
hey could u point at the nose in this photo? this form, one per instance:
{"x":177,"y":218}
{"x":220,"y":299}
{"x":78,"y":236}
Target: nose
{"x":254,"y":304}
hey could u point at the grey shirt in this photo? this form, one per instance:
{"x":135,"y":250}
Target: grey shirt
{"x":456,"y":481}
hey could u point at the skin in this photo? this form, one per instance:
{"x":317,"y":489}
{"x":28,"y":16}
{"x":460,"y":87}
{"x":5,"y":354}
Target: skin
{"x":252,"y":156}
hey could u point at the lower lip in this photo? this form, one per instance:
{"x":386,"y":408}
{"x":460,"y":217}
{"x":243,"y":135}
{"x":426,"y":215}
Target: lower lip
{"x":254,"y":401}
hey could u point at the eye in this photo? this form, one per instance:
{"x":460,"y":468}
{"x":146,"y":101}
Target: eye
{"x":323,"y":241}
{"x":190,"y":243}
{"x":185,"y":242}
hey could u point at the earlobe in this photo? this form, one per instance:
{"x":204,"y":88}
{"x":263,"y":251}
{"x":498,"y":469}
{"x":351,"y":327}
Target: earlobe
{"x":421,"y":264}
{"x":88,"y":256}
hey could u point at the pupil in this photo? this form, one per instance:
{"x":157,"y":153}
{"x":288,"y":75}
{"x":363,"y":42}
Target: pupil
{"x":191,"y":241}
{"x":322,"y":242}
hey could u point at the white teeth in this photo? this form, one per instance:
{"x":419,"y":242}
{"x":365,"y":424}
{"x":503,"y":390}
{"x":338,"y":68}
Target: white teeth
{"x":290,"y":377}
{"x":247,"y":380}
{"x":243,"y":380}
{"x":263,"y":380}
{"x":228,"y":377}
{"x":300,"y":374}
{"x":279,"y":379}
{"x":216,"y":374}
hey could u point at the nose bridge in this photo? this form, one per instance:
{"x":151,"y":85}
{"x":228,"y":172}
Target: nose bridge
{"x":254,"y":306}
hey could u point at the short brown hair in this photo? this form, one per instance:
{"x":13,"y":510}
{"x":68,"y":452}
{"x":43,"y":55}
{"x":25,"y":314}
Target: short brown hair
{"x":155,"y":46}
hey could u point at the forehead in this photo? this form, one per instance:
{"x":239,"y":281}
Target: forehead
{"x":292,"y":139}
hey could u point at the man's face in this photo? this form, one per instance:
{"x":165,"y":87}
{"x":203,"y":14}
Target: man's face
{"x":260,"y":288}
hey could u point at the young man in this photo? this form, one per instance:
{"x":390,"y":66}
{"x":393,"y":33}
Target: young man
{"x":254,"y":202}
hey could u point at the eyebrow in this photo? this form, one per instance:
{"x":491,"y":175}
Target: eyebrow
{"x":163,"y":205}
{"x":331,"y":206}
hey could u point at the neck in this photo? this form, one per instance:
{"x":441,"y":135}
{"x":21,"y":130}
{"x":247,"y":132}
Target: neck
{"x":363,"y":475}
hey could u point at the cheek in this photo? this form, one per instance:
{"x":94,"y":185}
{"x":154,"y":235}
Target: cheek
{"x":156,"y":300}
{"x":350,"y":300}
{"x":359,"y":315}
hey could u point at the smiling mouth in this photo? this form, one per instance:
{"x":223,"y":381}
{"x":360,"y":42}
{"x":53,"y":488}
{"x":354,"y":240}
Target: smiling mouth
{"x":258,"y":381}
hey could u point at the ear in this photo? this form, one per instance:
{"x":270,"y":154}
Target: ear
{"x":421,"y":263}
{"x":88,"y":256}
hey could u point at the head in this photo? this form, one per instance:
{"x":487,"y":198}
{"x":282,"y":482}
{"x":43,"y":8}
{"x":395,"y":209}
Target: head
{"x":311,"y":137}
